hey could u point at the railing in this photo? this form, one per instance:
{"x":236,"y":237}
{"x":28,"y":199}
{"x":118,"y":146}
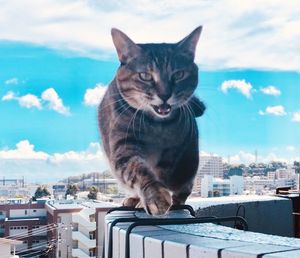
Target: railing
{"x":77,"y":218}
{"x":89,"y":243}
{"x":76,"y":252}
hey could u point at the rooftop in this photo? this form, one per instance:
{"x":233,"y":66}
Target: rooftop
{"x":200,"y":203}
{"x":77,"y":204}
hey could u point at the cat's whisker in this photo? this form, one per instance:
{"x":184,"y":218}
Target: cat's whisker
{"x":119,"y":116}
{"x":120,"y":99}
{"x":134,"y":117}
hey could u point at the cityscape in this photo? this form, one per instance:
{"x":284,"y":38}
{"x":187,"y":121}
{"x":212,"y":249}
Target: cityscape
{"x":57,"y":60}
{"x":57,"y":219}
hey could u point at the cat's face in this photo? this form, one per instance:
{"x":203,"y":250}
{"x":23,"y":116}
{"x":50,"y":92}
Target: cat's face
{"x":157,"y":78}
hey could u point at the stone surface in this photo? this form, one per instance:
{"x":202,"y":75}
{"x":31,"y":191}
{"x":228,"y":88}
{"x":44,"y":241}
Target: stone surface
{"x":254,"y":250}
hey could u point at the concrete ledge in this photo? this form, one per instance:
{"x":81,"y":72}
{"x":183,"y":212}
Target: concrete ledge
{"x":193,"y":241}
{"x":265,"y":214}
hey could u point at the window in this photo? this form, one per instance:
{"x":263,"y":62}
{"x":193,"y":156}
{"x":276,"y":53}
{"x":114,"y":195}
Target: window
{"x":58,"y":219}
{"x":34,"y":210}
{"x":59,"y":253}
{"x":25,"y":212}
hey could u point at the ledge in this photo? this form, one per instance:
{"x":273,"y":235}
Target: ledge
{"x":193,"y":241}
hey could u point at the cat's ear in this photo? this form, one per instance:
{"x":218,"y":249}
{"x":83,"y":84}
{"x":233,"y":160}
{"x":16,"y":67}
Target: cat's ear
{"x":189,"y":43}
{"x":125,"y":47}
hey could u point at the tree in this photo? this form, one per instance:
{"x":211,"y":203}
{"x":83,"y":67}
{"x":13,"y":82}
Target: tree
{"x":93,"y":191}
{"x":72,"y":190}
{"x":297,"y":167}
{"x":41,"y":192}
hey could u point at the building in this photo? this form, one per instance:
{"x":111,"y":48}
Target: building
{"x":26,"y":222}
{"x":59,"y":191}
{"x":214,"y":187}
{"x":208,"y":165}
{"x":103,"y":184}
{"x":262,"y":184}
{"x":8,"y":248}
{"x":56,"y":228}
{"x":79,"y":227}
{"x":286,"y":173}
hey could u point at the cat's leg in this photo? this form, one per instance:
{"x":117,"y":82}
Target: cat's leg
{"x":179,"y":196}
{"x":134,"y":172}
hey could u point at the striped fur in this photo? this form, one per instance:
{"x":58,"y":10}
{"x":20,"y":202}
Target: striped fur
{"x":153,"y":155}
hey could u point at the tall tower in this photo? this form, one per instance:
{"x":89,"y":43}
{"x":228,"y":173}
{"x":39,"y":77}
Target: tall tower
{"x":255,"y":153}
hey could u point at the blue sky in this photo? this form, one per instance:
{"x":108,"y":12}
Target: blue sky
{"x":53,"y":71}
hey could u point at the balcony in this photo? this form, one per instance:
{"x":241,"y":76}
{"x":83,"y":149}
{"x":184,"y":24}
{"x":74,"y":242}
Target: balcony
{"x":89,"y":243}
{"x":84,"y":221}
{"x":80,"y":254}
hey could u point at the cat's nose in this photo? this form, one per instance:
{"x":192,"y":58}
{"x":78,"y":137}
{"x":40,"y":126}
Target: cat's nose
{"x":164,"y":96}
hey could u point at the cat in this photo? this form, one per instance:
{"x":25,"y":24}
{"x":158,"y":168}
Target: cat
{"x":147,"y":121}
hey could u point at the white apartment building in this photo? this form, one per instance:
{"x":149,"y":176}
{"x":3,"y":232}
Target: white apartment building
{"x":8,"y":248}
{"x":286,"y":173}
{"x":213,"y":187}
{"x":259,"y":184}
{"x":208,"y":165}
{"x":80,"y":227}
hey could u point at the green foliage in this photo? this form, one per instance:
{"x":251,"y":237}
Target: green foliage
{"x":297,"y":167}
{"x":93,"y":191}
{"x":40,"y":192}
{"x":72,"y":190}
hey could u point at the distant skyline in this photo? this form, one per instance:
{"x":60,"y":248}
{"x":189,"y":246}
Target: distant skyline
{"x":58,"y":58}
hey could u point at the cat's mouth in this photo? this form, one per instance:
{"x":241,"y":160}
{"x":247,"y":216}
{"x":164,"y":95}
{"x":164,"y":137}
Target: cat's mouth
{"x":163,"y":109}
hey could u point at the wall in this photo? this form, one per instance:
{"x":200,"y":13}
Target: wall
{"x":17,"y":213}
{"x":269,"y":217}
{"x":65,"y":231}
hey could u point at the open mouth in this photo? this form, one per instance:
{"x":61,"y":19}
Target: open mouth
{"x":163,"y":109}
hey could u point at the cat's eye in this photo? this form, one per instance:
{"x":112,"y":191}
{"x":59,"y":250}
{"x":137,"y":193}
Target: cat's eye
{"x":178,"y":75}
{"x":147,"y":77}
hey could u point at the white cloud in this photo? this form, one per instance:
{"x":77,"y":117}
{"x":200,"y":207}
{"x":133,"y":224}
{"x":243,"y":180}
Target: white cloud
{"x":296,"y":116}
{"x":290,"y":148}
{"x":30,"y":101}
{"x":8,"y":96}
{"x":271,"y":90}
{"x":55,"y":102}
{"x":23,"y":150}
{"x":247,"y":158}
{"x":27,"y":101}
{"x":242,"y":158}
{"x":273,"y":110}
{"x":241,"y":85}
{"x":49,"y":96}
{"x":92,"y":97}
{"x":24,"y":160}
{"x":12,"y":81}
{"x":236,"y":34}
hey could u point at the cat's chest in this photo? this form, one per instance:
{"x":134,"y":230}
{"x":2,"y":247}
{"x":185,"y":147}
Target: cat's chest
{"x":163,"y":136}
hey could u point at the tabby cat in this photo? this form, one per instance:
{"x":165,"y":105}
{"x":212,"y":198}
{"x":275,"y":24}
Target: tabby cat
{"x":147,"y":121}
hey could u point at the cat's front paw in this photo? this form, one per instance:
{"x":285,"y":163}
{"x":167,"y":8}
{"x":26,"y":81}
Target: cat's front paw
{"x":156,"y":199}
{"x":131,"y":201}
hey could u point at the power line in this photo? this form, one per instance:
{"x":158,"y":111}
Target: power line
{"x":33,"y":231}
